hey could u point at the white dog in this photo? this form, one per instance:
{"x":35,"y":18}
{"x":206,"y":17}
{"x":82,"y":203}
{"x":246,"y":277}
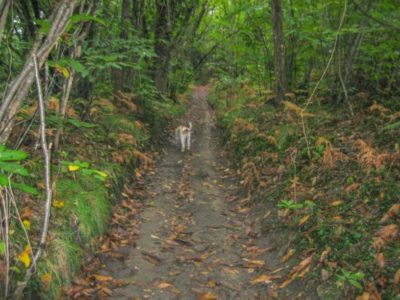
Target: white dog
{"x":183,"y":133}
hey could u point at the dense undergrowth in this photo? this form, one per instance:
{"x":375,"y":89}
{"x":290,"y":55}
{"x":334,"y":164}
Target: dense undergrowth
{"x":96,"y":159}
{"x":330,"y":179}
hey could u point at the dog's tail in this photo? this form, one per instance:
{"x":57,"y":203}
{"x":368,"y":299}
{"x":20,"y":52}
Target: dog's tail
{"x":190,"y":126}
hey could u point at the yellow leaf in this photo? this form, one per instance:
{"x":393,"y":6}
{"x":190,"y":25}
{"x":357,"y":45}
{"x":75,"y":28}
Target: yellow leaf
{"x":58,"y":203}
{"x":211,"y":283}
{"x":73,"y":168}
{"x":336,"y":203}
{"x":208,"y":296}
{"x":264,"y":279}
{"x":27,"y":224}
{"x":304,"y":220}
{"x":62,"y":70}
{"x":24,"y":257}
{"x":46,"y":278}
{"x":102,"y":174}
{"x":164,"y":285}
{"x":102,"y":277}
{"x":288,"y":255}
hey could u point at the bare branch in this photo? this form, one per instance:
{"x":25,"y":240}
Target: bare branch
{"x":46,"y":156}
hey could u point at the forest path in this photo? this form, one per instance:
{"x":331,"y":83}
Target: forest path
{"x":194,"y":239}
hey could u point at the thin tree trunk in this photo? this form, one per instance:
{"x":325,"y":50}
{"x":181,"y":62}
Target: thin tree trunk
{"x":163,"y":32}
{"x":279,"y":49}
{"x":47,"y":176}
{"x":4,"y":7}
{"x":119,"y":76}
{"x":20,"y":86}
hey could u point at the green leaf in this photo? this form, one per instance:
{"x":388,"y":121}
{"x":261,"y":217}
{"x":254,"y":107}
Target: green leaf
{"x":82,"y":165}
{"x":10,"y":155}
{"x":14,"y":168}
{"x":44,"y":25}
{"x":2,"y":247}
{"x":4,"y":180}
{"x":25,"y":188}
{"x":356,"y":284}
{"x":392,"y":126}
{"x":85,"y":18}
{"x":79,"y":124}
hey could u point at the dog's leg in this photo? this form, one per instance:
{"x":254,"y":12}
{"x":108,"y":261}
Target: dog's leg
{"x":182,"y":136}
{"x":188,"y":141}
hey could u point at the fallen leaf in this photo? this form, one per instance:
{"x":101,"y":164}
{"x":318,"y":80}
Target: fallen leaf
{"x":336,"y":203}
{"x":254,"y":262}
{"x":288,"y":255}
{"x":163,"y":285}
{"x":352,"y":187}
{"x":102,"y":278}
{"x":304,"y":220}
{"x":324,"y":254}
{"x":26,"y":213}
{"x":392,"y":212}
{"x":46,"y":279}
{"x":208,"y":296}
{"x":381,"y":259}
{"x":264,"y":279}
{"x":211,"y":283}
{"x":388,"y":232}
{"x":298,"y":271}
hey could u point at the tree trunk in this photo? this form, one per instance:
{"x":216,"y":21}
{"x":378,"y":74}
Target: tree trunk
{"x":120,"y":75}
{"x":20,"y":86}
{"x":4,"y":6}
{"x":162,"y":44}
{"x":279,"y":49}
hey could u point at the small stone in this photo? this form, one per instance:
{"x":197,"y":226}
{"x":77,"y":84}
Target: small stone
{"x":325,"y":274}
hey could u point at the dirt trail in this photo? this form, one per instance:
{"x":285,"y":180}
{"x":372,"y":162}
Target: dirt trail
{"x":194,"y":241}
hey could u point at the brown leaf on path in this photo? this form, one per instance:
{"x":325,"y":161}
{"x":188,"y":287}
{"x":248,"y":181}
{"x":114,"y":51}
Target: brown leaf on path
{"x":264,"y":279}
{"x":352,"y":187}
{"x":304,"y":220}
{"x":211,"y":283}
{"x":324,"y":254}
{"x":298,"y":271}
{"x":336,"y":203}
{"x":392,"y":212}
{"x":253,"y":263}
{"x":396,"y":279}
{"x":207,"y":296}
{"x":371,"y":293}
{"x":388,"y":232}
{"x":163,"y":285}
{"x":102,"y":278}
{"x":380,"y":259}
{"x":288,"y":255}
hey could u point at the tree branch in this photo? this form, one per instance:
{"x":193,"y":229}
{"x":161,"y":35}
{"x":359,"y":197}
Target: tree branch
{"x":46,"y":156}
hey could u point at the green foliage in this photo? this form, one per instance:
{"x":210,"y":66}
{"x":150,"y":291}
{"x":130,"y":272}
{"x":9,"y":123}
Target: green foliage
{"x":77,"y":166}
{"x":354,"y":278}
{"x":289,"y":204}
{"x":9,"y":164}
